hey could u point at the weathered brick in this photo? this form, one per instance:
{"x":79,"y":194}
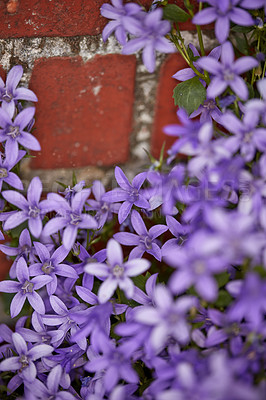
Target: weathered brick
{"x":5,"y":265}
{"x":50,"y":18}
{"x":84,"y":113}
{"x":165,"y":110}
{"x":32,"y":18}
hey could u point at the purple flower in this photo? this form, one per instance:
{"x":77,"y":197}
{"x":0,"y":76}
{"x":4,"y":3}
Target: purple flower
{"x":23,"y":362}
{"x":51,"y":265}
{"x":223,"y":11}
{"x":9,"y":93}
{"x":257,"y":106}
{"x":70,"y":192}
{"x":50,"y":390}
{"x":250,"y":300}
{"x":144,"y":240}
{"x":207,"y":111}
{"x":196,"y":262}
{"x":62,"y":318}
{"x":247,"y":137}
{"x":129,"y":194}
{"x":188,"y":73}
{"x":150,"y":31}
{"x":32,"y":209}
{"x":6,"y":165}
{"x":167,"y":317}
{"x":115,"y":363}
{"x":24,"y":249}
{"x":70,"y":217}
{"x":226,"y":73}
{"x":104,"y":209}
{"x":15,"y":133}
{"x":254,"y":4}
{"x":118,"y":11}
{"x":25,"y":289}
{"x":115,"y":272}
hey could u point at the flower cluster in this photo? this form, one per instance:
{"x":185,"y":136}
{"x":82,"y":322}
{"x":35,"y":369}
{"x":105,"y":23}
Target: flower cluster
{"x":155,"y":290}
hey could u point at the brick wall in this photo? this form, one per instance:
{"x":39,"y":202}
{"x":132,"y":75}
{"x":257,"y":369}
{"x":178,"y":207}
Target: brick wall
{"x":96,"y":108}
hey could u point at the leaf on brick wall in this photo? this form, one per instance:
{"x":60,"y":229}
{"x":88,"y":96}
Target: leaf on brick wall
{"x":189,"y":94}
{"x":175,"y":13}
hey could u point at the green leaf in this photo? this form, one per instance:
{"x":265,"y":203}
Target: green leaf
{"x":224,"y":299}
{"x":189,"y":94}
{"x":242,"y":29}
{"x":174,"y":13}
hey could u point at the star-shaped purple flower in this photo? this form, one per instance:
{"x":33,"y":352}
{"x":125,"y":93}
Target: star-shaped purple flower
{"x":70,"y":217}
{"x":15,"y":132}
{"x":144,"y":240}
{"x":51,"y":265}
{"x":116,"y":273}
{"x":23,"y":363}
{"x":223,"y":11}
{"x":117,"y":12}
{"x":32,"y":209}
{"x":6,"y":165}
{"x":226,"y":73}
{"x":150,"y":31}
{"x":128,"y":193}
{"x":25,"y":289}
{"x":9,"y":93}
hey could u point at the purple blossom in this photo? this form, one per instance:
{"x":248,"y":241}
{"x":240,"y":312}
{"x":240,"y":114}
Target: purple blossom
{"x":222,"y":12}
{"x":25,"y":289}
{"x":257,"y":106}
{"x":24,"y":249}
{"x":23,"y":363}
{"x":32,"y":209}
{"x":208,"y":111}
{"x":70,"y":192}
{"x":70,"y":217}
{"x":15,"y":132}
{"x":104,"y":209}
{"x":149,"y":31}
{"x":9,"y":93}
{"x":50,"y":390}
{"x":6,"y":165}
{"x":51,"y":265}
{"x":250,"y":300}
{"x":196,"y":262}
{"x":128,"y":193}
{"x":167,"y":317}
{"x":188,"y":73}
{"x":62,"y":318}
{"x":115,"y":272}
{"x":226,"y":73}
{"x":116,"y":365}
{"x":117,"y":12}
{"x":144,"y":240}
{"x":247,"y":137}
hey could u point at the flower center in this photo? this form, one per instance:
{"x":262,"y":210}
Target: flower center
{"x":13,"y":131}
{"x":3,"y":173}
{"x":209,"y":104}
{"x":104,"y":207}
{"x":133,"y":195}
{"x":118,"y":271}
{"x":23,"y":361}
{"x":248,"y":137}
{"x":27,"y":287}
{"x":75,"y":219}
{"x":146,"y":240}
{"x":47,"y":267}
{"x":199,"y":267}
{"x":33,"y":212}
{"x":7,"y":97}
{"x":228,"y":75}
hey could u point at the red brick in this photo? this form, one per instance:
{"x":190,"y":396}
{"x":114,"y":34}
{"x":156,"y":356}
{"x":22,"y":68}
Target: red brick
{"x":5,"y":265}
{"x":165,"y":110}
{"x":31,"y":18}
{"x":2,"y":73}
{"x":84,"y":113}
